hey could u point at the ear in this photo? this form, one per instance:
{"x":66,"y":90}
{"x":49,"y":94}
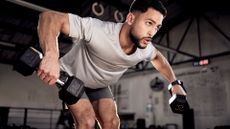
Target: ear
{"x":130,"y":18}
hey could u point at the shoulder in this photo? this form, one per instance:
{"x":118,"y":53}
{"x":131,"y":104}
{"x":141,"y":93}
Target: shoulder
{"x":93,"y":22}
{"x":75,"y":17}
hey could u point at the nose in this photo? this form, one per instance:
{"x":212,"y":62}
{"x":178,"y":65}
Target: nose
{"x":152,"y":32}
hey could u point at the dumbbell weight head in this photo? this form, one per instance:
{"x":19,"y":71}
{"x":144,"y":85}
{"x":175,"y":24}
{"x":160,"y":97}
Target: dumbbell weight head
{"x":28,"y":61}
{"x":71,"y":91}
{"x":178,"y":104}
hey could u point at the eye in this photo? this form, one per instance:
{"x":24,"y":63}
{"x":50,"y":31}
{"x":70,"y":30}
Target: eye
{"x":149,"y":23}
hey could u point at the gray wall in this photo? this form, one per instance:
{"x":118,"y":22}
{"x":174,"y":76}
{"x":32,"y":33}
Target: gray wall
{"x":19,"y":91}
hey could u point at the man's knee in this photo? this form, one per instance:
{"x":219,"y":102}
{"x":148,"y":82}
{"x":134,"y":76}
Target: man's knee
{"x":86,"y":119}
{"x":83,"y":114}
{"x":116,"y":122}
{"x":112,"y":123}
{"x":87,"y":123}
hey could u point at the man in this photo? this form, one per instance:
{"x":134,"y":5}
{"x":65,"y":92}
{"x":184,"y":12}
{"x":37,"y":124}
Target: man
{"x":102,"y":52}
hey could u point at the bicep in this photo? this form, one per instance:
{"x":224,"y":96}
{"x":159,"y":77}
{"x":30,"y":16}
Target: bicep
{"x":159,"y":60}
{"x":54,"y":22}
{"x":62,"y":20}
{"x":65,"y":25}
{"x":162,"y":65}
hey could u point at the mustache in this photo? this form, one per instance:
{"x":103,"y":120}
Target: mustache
{"x":148,"y":39}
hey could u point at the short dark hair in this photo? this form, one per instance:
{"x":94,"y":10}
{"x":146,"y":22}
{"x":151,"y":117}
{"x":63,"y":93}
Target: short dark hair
{"x":143,"y":5}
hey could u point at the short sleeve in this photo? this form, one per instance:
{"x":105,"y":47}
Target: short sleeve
{"x":80,"y":28}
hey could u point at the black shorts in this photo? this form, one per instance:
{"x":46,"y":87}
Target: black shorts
{"x":96,"y":94}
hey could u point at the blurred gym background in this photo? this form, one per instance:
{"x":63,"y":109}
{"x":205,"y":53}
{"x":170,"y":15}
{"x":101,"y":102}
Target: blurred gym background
{"x":195,"y":38}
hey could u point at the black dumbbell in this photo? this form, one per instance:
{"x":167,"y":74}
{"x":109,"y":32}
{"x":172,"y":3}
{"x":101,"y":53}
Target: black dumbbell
{"x":178,"y":103}
{"x":71,"y":88}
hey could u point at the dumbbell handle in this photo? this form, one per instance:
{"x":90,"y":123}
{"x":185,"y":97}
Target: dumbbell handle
{"x":177,"y":82}
{"x":60,"y":82}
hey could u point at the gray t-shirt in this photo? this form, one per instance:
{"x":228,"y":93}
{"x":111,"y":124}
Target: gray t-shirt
{"x":96,"y":56}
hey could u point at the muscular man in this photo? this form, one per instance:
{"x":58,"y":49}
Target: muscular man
{"x":102,"y":52}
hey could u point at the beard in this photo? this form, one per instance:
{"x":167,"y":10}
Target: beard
{"x":135,"y":40}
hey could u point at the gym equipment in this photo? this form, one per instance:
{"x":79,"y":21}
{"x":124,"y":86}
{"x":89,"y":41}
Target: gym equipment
{"x":188,"y":119}
{"x":70,"y":87}
{"x":178,"y":103}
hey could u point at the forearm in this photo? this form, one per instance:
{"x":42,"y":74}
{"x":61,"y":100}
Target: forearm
{"x":161,"y":64}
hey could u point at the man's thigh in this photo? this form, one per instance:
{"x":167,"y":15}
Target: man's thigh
{"x":90,"y":100}
{"x":103,"y":103}
{"x":96,"y":94}
{"x":82,"y":110}
{"x":99,"y":102}
{"x":96,"y":103}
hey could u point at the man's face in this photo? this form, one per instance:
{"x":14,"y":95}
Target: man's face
{"x":145,"y":26}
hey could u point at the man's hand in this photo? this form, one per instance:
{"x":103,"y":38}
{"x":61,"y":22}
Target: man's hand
{"x":177,"y":89}
{"x":49,"y":69}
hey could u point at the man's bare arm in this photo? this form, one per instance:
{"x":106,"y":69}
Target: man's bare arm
{"x":162,"y":65}
{"x":50,"y":25}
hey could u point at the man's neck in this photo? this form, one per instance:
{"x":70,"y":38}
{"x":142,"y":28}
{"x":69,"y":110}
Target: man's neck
{"x":125,"y":42}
